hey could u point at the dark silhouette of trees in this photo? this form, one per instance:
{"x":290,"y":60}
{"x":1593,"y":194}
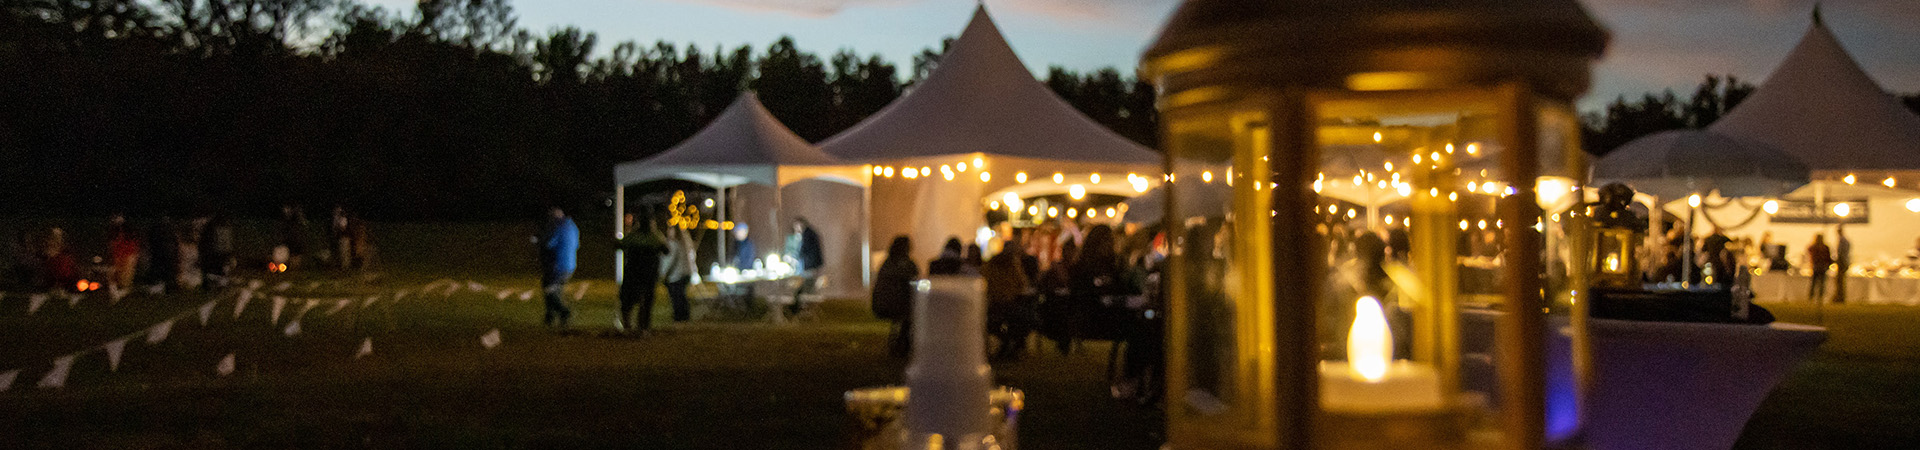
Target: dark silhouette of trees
{"x":445,"y":111}
{"x":1624,"y":121}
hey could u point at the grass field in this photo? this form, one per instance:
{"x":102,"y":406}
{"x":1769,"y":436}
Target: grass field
{"x":429,"y":382}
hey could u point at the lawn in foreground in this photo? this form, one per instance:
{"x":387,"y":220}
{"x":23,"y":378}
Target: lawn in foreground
{"x":430,"y":383}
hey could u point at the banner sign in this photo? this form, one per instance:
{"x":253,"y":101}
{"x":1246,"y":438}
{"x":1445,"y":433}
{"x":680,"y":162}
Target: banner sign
{"x":1806,"y":211}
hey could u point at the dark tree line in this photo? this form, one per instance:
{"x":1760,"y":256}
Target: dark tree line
{"x":448,"y":111}
{"x":1623,"y":121}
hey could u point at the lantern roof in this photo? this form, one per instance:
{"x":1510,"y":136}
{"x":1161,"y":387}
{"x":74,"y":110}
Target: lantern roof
{"x":1819,"y":106}
{"x":1324,"y":42}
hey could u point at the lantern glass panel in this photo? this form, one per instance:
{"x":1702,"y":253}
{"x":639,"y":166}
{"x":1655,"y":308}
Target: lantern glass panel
{"x":1219,"y":273}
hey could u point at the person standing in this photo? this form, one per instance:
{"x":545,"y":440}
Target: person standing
{"x":1819,"y":258}
{"x":950,"y":261}
{"x":678,"y":272}
{"x":558,"y":246}
{"x":123,"y":245}
{"x":743,"y":249}
{"x":1842,"y":260}
{"x":643,"y":248}
{"x":803,"y":246}
{"x":893,"y":295}
{"x":1010,"y":298}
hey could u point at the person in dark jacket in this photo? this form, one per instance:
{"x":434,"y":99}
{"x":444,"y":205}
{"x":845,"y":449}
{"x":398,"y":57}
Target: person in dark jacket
{"x":803,"y":247}
{"x":1010,"y":298}
{"x":642,"y":247}
{"x":558,"y":245}
{"x":1094,"y":285}
{"x":951,"y":260}
{"x":1819,"y":258}
{"x":893,"y":289}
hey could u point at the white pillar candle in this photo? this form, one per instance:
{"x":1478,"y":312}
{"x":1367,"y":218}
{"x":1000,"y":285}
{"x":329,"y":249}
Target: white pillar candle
{"x":948,"y":380}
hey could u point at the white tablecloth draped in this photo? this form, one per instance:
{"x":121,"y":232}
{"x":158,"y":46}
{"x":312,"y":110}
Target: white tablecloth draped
{"x":1792,"y":288}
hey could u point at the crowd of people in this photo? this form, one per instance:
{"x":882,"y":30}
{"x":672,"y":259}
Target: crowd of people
{"x":1055,"y":280}
{"x":170,"y":253}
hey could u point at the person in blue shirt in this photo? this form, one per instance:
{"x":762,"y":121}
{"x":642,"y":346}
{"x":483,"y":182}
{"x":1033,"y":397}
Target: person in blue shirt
{"x":743,"y":249}
{"x":558,"y":245}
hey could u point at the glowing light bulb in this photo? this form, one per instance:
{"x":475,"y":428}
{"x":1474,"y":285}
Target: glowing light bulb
{"x":1389,"y":166}
{"x":1389,"y":220}
{"x":960,"y":167}
{"x":985,"y":177}
{"x":948,"y":174}
{"x":1449,"y":148}
{"x":876,"y":170}
{"x":993,"y":204}
{"x":1072,"y":213}
{"x":1913,"y":205}
{"x":1020,"y":177}
{"x":1369,"y":342}
{"x":1077,"y":191}
{"x":1095,"y":178}
{"x":1481,"y":225}
{"x":1487,"y":187}
{"x":889,"y":172}
{"x":1110,"y":213}
{"x":926,"y":171}
{"x":1473,"y":148}
{"x":1849,"y":179}
{"x":1317,"y":185}
{"x":977,"y":162}
{"x":1693,"y":200}
{"x":1773,"y":206}
{"x":1842,"y":209}
{"x":1351,"y":214}
{"x":1139,"y":185}
{"x":1053,"y":212}
{"x":1888,"y":182}
{"x":1377,"y":137}
{"x":1033,"y":210}
{"x":1405,"y":189}
{"x":1472,"y":188}
{"x":1206,"y":176}
{"x":1463,"y":224}
{"x":1357,"y":180}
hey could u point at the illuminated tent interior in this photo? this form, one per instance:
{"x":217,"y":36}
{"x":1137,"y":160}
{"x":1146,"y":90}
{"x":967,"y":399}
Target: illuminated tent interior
{"x":749,"y":155}
{"x":979,"y":127}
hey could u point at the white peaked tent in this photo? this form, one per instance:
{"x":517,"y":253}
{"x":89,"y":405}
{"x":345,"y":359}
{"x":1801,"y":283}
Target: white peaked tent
{"x":1820,"y":107}
{"x":979,"y":106}
{"x":746,"y":146}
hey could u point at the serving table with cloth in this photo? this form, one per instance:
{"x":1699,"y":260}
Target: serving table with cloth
{"x":1863,"y":287}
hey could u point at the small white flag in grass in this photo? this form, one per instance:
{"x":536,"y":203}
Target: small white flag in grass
{"x":452,"y":287}
{"x":400,"y":295}
{"x":526,"y":296}
{"x":372,"y":298}
{"x":240,"y":304}
{"x":73,"y":299}
{"x":6,"y":379}
{"x":284,"y":285}
{"x":225,"y":367}
{"x":255,"y":284}
{"x":293,"y":328}
{"x":206,"y":311}
{"x":491,"y":339}
{"x":279,"y":303}
{"x":339,"y":305}
{"x":115,"y":293}
{"x":312,"y":286}
{"x":582,"y":293}
{"x":311,"y":303}
{"x":366,"y":348}
{"x":114,"y":348}
{"x":57,"y":377}
{"x":34,"y":301}
{"x":503,"y":294}
{"x":157,"y":289}
{"x":158,"y":332}
{"x":476,"y":286}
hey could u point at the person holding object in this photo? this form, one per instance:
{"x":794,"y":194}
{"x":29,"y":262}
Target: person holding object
{"x":678,"y":271}
{"x":893,"y":295}
{"x":643,"y":248}
{"x":558,"y":246}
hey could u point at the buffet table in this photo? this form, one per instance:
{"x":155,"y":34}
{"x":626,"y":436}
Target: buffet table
{"x":1862,"y":288}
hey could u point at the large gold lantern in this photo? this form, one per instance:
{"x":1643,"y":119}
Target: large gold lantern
{"x":1379,"y":245}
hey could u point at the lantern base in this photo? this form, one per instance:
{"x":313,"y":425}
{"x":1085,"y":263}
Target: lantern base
{"x":1442,"y":428}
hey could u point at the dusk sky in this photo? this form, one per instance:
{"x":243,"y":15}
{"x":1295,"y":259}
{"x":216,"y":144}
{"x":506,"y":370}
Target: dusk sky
{"x":1657,"y":44}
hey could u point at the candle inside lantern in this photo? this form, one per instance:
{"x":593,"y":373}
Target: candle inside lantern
{"x":1613,"y":263}
{"x":1370,"y":380}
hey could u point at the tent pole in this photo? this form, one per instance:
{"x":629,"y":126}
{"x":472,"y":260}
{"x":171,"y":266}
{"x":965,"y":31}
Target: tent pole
{"x":866,"y":228}
{"x":619,"y":232}
{"x":720,"y":232}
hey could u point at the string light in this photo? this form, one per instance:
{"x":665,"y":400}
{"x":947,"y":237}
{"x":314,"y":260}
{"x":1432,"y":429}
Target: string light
{"x":926,"y":171}
{"x":876,"y":170}
{"x":1888,"y":182}
{"x":1095,"y":178}
{"x":1077,"y":191}
{"x":1449,"y":148}
{"x":1472,"y":188}
{"x":889,"y":173}
{"x":1357,"y":180}
{"x":961,"y":167}
{"x":1849,"y":179}
{"x":1463,"y":224}
{"x":977,"y":162}
{"x":1389,"y":219}
{"x":1913,"y":205}
{"x":1773,"y":206}
{"x":1405,"y":189}
{"x":910,"y":173}
{"x":1089,"y":213}
{"x":1020,"y":177}
{"x":1059,"y":178}
{"x":993,"y":204}
{"x":1377,"y":137}
{"x":1693,"y":200}
{"x":985,"y":177}
{"x":1842,"y":209}
{"x":1473,"y":148}
{"x":1482,"y":225}
{"x":1033,"y":210}
{"x":1389,"y":166}
{"x":1206,"y":176}
{"x":1053,"y":212}
{"x":1110,"y":213}
{"x":1072,"y":213}
{"x":1351,"y":214}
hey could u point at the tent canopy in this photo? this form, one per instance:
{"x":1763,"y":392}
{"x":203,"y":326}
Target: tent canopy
{"x":1674,"y":163}
{"x":1820,"y":107}
{"x":745,"y":144}
{"x":982,"y":99}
